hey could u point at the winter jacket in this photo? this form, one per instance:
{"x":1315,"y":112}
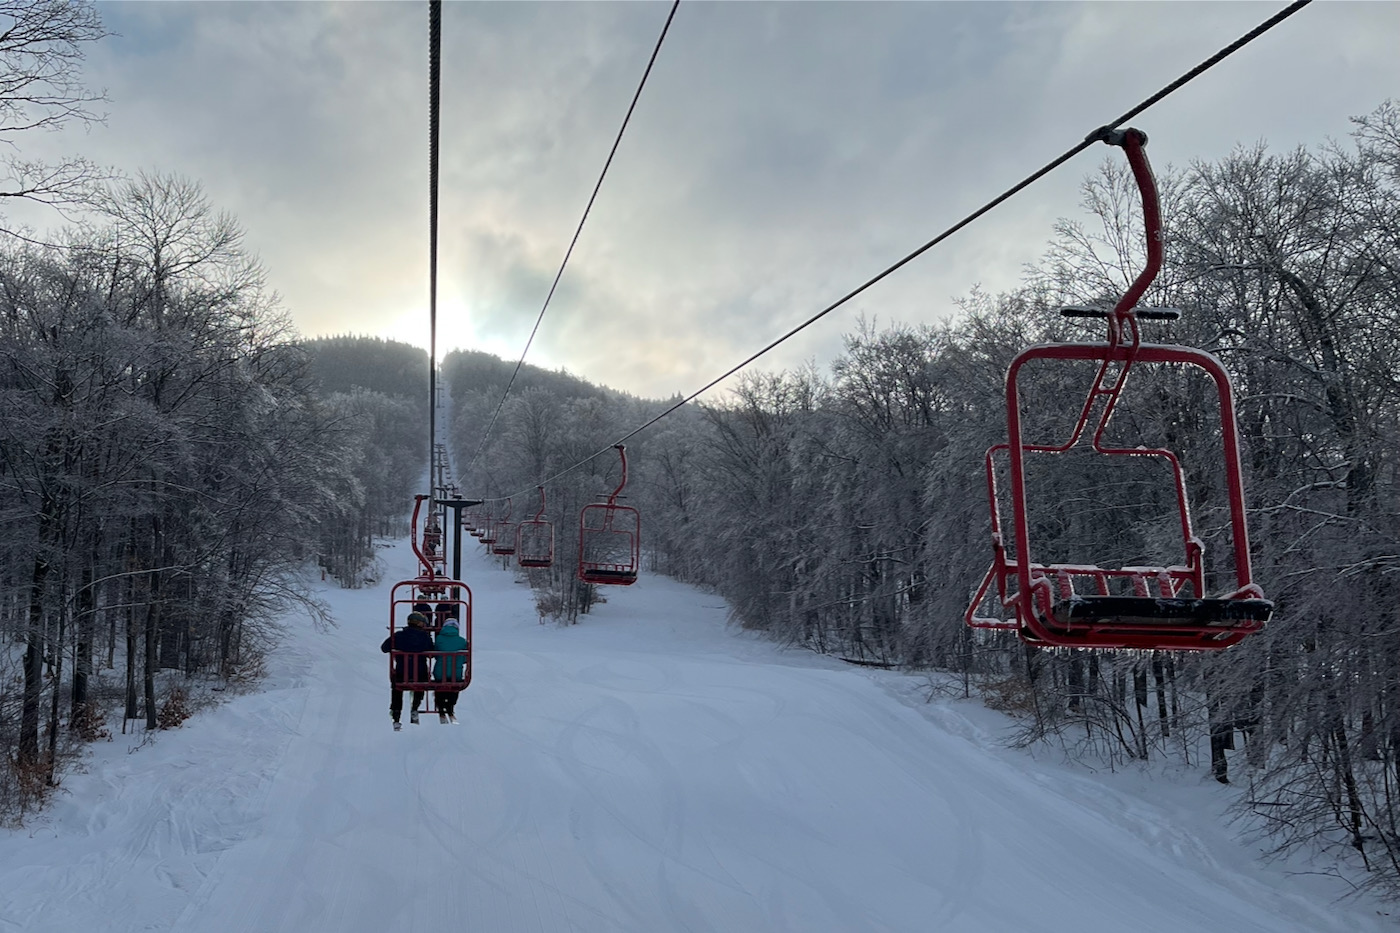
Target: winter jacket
{"x":450,"y":667}
{"x":411,"y":641}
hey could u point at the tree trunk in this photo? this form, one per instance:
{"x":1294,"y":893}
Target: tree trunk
{"x":83,"y":623}
{"x":34,"y":656}
{"x":152,"y":617}
{"x":1139,"y":704}
{"x":1075,"y":676}
{"x":1159,"y":680}
{"x":155,"y":595}
{"x":130,"y":712}
{"x":52,"y":762}
{"x":1222,"y":732}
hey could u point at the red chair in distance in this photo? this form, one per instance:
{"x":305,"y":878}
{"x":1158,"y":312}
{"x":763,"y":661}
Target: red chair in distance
{"x":487,"y":530}
{"x":609,"y":538}
{"x":534,"y":540}
{"x":503,"y":534}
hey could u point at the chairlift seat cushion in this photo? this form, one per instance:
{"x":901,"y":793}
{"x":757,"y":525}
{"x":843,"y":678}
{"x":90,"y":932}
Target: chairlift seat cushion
{"x":603,"y":575}
{"x":1161,"y":611}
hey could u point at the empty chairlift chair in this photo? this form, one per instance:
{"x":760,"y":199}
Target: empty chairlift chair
{"x":504,"y":534}
{"x":534,"y":540}
{"x":488,"y":528}
{"x":1085,"y":605}
{"x":609,"y":538}
{"x":429,"y":552}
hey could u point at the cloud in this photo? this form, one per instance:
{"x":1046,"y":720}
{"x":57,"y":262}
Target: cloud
{"x":781,"y":154}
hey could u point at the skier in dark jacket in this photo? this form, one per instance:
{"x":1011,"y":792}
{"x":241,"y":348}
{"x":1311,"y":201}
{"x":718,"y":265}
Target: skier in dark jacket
{"x":408,"y":664}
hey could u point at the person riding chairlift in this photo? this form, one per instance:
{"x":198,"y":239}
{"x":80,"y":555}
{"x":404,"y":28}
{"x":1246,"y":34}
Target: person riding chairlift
{"x":409,"y":665}
{"x":450,"y":667}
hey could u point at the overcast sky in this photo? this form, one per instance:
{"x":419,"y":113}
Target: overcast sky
{"x":781,"y":153}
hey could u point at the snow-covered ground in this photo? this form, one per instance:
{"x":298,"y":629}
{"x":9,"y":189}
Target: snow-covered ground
{"x":646,"y":770}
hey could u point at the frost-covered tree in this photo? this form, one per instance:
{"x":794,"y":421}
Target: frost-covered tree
{"x":41,"y":88}
{"x":162,"y":467}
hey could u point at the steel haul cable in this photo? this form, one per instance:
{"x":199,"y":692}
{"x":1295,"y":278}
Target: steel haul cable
{"x":434,"y":80}
{"x":574,"y":242}
{"x":1085,"y":143}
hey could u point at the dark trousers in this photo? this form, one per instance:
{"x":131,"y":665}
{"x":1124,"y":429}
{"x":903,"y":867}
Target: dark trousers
{"x":396,"y":702}
{"x":446,"y":701}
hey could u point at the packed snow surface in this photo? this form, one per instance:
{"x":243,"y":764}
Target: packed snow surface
{"x":646,"y":770}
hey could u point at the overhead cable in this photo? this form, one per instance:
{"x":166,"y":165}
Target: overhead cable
{"x":434,"y":80}
{"x":481,"y":445}
{"x":1079,"y":147}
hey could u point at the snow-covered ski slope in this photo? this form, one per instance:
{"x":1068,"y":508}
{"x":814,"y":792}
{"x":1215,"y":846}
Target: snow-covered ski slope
{"x":644,"y":771}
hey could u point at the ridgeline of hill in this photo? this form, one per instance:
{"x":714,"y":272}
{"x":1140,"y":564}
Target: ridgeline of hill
{"x":343,"y":363}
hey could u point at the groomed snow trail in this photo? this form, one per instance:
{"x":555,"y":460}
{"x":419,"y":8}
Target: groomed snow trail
{"x":644,"y":771}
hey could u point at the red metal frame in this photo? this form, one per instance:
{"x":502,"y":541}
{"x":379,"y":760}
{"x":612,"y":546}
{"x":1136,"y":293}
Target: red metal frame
{"x":534,"y":540}
{"x":435,"y":592}
{"x":431,"y":557}
{"x":610,"y":538}
{"x":1159,"y":614}
{"x":503,"y":534}
{"x":434,"y":543}
{"x":433,"y":587}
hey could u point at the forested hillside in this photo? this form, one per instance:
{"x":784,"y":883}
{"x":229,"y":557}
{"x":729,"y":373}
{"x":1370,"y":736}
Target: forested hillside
{"x":174,"y":460}
{"x":548,"y":423}
{"x":376,"y":393}
{"x":387,"y":367}
{"x":171,"y":462}
{"x":846,"y":511}
{"x":163,"y":459}
{"x":484,"y":374}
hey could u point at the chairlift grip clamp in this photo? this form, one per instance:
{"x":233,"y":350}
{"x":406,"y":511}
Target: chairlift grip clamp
{"x":1116,"y":137}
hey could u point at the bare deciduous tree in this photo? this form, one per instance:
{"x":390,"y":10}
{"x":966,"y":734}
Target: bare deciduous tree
{"x":41,"y":54}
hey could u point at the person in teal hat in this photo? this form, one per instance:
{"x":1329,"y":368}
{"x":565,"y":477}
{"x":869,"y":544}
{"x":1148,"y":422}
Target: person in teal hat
{"x":450,"y":667}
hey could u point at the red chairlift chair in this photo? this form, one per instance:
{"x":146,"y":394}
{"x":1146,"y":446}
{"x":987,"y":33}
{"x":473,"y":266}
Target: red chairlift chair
{"x":609,"y":538}
{"x":434,"y":671}
{"x":504,"y":533}
{"x":534,"y":540}
{"x":434,"y":552}
{"x":429,"y":560}
{"x":1130,"y":607}
{"x":488,"y":528}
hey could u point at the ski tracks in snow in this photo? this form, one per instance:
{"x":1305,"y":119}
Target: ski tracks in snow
{"x":133,"y":839}
{"x":645,"y":771}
